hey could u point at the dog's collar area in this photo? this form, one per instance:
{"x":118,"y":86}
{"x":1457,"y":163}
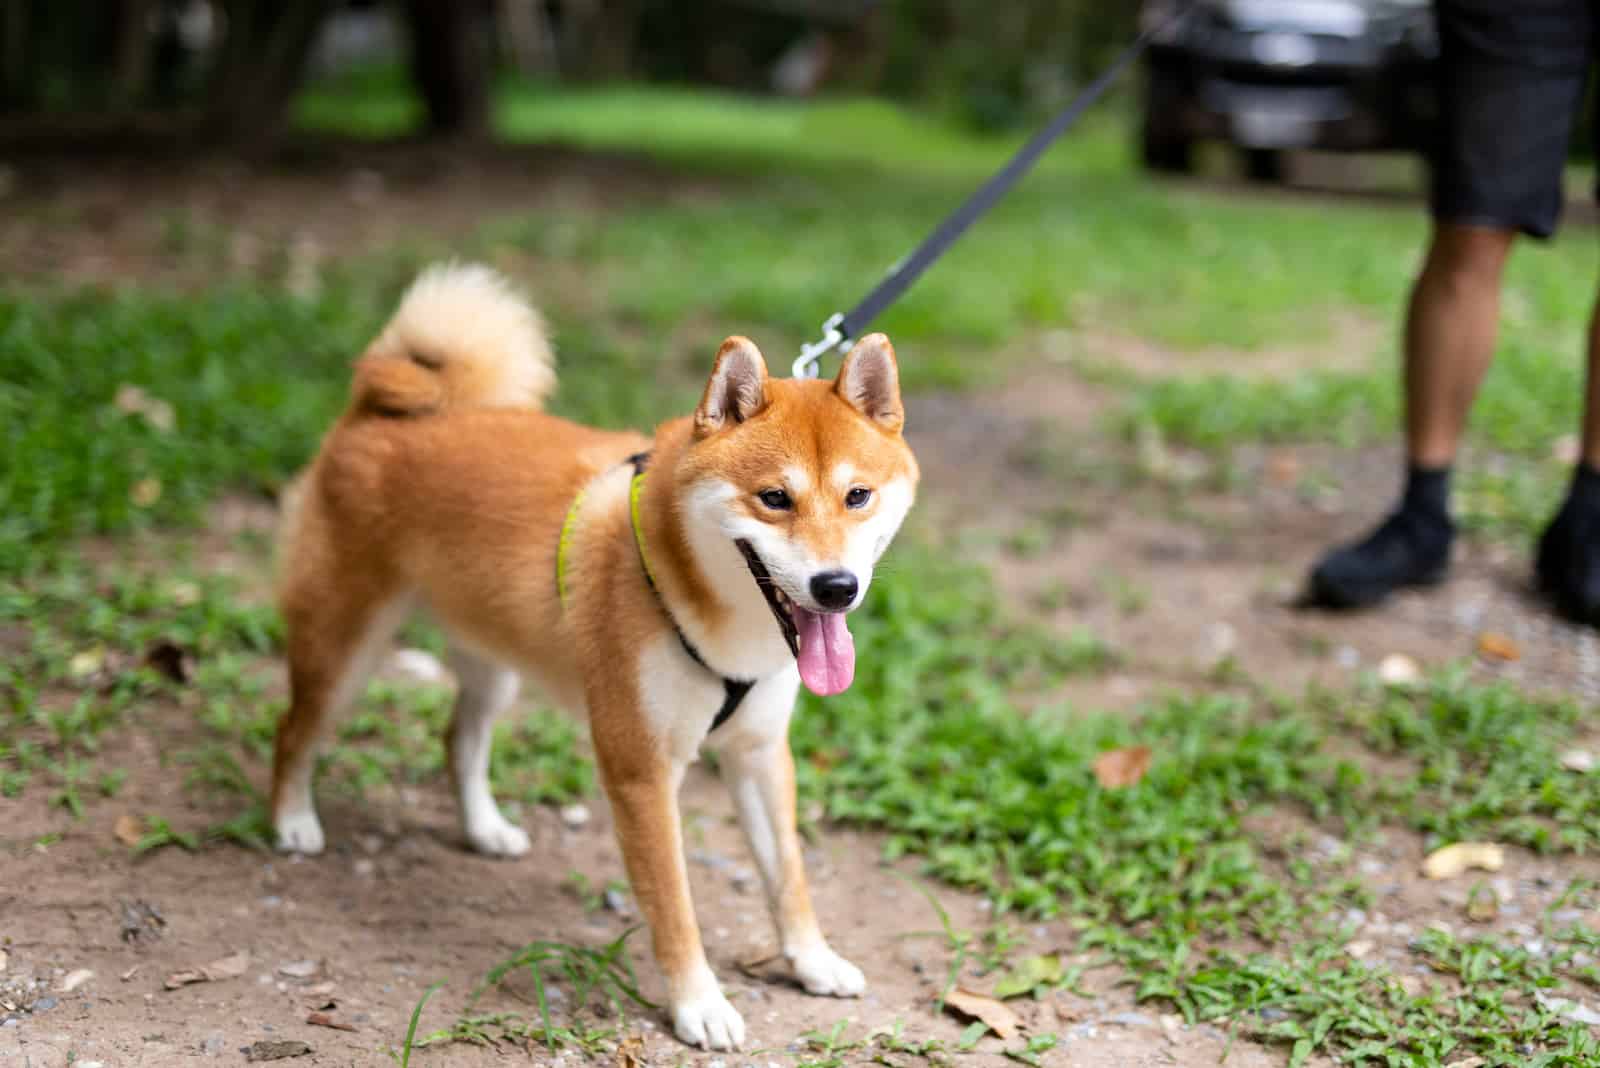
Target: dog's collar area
{"x":733,"y":690}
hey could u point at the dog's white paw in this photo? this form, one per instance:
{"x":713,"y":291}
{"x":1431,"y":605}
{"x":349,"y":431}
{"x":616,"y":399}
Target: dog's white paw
{"x":499,"y":837}
{"x":823,"y":972}
{"x":300,"y":832}
{"x":708,"y":1021}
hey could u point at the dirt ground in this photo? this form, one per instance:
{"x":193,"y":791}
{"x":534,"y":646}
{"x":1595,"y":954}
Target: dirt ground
{"x":1175,"y":581}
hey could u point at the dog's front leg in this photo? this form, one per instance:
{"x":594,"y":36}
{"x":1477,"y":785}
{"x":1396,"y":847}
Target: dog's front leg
{"x":645,"y":806}
{"x":761,"y":777}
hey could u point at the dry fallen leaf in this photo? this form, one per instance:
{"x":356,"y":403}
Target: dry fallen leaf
{"x":1283,"y":468}
{"x":631,"y":1053}
{"x":128,"y":830}
{"x":299,"y":969}
{"x":131,"y":400}
{"x":86,"y":663}
{"x":1122,"y":767}
{"x":230,"y":967}
{"x":322,"y":1019}
{"x":1498,"y":647}
{"x":1453,"y":860}
{"x":992,"y":1013}
{"x":5,"y":958}
{"x":75,"y":979}
{"x":145,"y":492}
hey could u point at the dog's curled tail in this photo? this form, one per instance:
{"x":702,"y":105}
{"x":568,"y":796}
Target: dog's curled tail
{"x":461,"y":338}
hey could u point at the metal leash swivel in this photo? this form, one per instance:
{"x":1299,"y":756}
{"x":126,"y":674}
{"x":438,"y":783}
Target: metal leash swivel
{"x":809,"y":363}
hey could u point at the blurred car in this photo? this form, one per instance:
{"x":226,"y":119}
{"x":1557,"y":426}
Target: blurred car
{"x":1272,"y":75}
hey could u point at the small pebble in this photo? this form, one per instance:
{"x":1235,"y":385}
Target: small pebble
{"x":45,"y":1004}
{"x":1579,"y":760}
{"x":1399,"y":670}
{"x":214,"y":1044}
{"x":575,"y":815}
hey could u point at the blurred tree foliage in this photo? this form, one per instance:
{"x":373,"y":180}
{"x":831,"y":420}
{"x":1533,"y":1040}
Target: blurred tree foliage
{"x":226,"y":69}
{"x":996,"y":62}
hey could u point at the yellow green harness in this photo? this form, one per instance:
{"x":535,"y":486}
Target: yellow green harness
{"x":734,"y":690}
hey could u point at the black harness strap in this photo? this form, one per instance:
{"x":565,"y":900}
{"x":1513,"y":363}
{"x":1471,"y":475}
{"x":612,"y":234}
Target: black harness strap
{"x":733,"y":690}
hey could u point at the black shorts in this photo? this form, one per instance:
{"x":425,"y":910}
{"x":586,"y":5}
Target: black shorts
{"x":1511,"y":84}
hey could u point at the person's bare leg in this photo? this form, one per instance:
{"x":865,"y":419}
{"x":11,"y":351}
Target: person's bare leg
{"x":1450,"y":335}
{"x":1568,"y":566}
{"x":1591,"y":411}
{"x":1451,"y":325}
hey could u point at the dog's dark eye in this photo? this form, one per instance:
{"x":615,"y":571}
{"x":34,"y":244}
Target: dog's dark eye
{"x":858,"y":497}
{"x":776,"y":499}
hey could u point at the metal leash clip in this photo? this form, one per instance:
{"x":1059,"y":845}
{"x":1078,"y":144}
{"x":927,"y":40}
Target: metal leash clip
{"x":809,"y":363}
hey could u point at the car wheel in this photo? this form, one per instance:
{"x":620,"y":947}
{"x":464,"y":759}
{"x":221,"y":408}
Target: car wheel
{"x":1266,"y":164}
{"x":1164,"y":146}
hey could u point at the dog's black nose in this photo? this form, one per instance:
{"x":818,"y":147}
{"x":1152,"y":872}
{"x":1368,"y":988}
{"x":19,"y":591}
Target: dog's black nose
{"x":834,"y":589}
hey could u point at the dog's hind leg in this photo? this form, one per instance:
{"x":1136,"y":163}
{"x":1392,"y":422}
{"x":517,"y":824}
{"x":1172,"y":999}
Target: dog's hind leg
{"x":337,"y":635}
{"x":487,"y":688}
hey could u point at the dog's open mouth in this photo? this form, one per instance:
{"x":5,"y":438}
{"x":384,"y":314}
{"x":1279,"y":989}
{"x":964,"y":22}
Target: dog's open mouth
{"x":820,"y":641}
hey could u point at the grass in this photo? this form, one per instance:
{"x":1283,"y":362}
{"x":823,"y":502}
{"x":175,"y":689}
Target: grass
{"x":1172,"y":881}
{"x":952,"y":744}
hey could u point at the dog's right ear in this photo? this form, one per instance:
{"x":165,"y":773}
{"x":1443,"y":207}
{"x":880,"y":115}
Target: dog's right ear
{"x":737,"y":390}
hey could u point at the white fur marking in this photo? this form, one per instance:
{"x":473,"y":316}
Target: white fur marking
{"x":797,"y":479}
{"x":702,"y":1017}
{"x":824,"y":973}
{"x":295,"y":821}
{"x":487,"y":689}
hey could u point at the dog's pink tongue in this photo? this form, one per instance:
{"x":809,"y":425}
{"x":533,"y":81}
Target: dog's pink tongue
{"x":827,"y":652}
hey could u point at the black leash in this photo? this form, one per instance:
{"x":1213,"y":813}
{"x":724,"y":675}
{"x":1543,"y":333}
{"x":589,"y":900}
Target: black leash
{"x":841,"y":328}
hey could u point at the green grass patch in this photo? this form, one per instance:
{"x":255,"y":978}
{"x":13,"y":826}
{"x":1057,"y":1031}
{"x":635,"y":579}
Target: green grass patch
{"x":1172,"y":880}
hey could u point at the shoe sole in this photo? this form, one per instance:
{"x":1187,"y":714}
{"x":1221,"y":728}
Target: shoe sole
{"x":1324,"y":596}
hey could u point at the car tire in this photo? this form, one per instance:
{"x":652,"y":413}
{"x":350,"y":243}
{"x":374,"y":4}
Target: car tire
{"x":1268,"y":165}
{"x":1164,"y":146}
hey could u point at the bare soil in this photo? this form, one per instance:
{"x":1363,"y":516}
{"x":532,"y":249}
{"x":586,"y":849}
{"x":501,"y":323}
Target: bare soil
{"x":1177,"y":580}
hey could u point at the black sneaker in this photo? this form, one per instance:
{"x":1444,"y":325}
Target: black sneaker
{"x":1411,"y":548}
{"x":1568,"y":567}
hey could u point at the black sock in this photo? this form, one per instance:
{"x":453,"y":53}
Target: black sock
{"x":1585,"y":493}
{"x":1428,"y":492}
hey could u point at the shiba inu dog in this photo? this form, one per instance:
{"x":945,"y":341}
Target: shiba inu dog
{"x":665,"y":587}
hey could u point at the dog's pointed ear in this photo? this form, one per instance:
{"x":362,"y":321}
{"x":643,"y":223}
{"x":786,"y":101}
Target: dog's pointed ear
{"x":737,"y":390}
{"x":869,"y":381}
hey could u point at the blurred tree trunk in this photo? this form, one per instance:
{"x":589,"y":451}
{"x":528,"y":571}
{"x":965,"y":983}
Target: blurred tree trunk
{"x":131,"y":66}
{"x":450,"y":64}
{"x":263,"y":61}
{"x":602,"y":37}
{"x":14,"y":80}
{"x":525,"y":26}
